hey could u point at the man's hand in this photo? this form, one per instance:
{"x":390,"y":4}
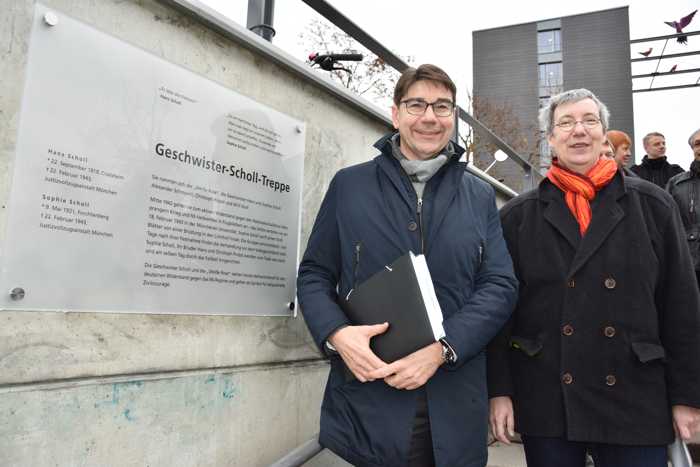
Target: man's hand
{"x":412,"y":371}
{"x":502,"y":418}
{"x":686,"y":421}
{"x":352,"y":343}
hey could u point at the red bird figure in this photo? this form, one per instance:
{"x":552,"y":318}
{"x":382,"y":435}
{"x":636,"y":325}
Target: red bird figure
{"x":646,"y":54}
{"x":679,"y":25}
{"x":673,"y":68}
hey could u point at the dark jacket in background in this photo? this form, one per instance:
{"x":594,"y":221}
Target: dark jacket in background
{"x":657,"y":171}
{"x":685,"y":189}
{"x":374,"y":204}
{"x":606,"y":333}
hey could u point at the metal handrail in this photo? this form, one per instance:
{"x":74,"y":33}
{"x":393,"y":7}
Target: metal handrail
{"x":300,"y":455}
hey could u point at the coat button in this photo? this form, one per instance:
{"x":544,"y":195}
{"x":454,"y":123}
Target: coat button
{"x":571,"y":284}
{"x":610,"y":283}
{"x":566,"y":378}
{"x":412,"y":226}
{"x":609,"y":331}
{"x":610,"y":380}
{"x":567,"y":330}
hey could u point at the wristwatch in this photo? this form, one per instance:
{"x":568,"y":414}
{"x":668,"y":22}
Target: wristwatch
{"x":448,"y":355}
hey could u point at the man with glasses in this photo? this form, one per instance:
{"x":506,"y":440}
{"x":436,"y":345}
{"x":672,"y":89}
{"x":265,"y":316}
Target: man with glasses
{"x":685,"y":189}
{"x":430,"y":407}
{"x":654,"y":167}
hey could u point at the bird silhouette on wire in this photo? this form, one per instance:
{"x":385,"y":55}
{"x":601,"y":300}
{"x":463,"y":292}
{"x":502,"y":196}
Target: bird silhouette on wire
{"x":673,"y":68}
{"x":679,"y":25}
{"x":646,"y":52}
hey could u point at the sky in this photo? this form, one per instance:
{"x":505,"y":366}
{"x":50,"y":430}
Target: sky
{"x":442,"y":34}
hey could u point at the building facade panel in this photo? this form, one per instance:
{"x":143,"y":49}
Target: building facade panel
{"x":524,"y":64}
{"x":505,"y":72}
{"x":596,"y":54}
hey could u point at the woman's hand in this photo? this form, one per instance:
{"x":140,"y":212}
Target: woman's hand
{"x":686,"y":421}
{"x":502,"y":418}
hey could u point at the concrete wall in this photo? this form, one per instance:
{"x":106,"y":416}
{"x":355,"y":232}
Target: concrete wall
{"x":94,"y":389}
{"x":97,"y":389}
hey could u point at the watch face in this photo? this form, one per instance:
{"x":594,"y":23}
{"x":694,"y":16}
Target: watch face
{"x":446,"y":354}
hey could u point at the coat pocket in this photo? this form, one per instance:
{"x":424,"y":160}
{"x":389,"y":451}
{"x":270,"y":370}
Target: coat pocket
{"x":530,"y":347}
{"x":648,"y":352}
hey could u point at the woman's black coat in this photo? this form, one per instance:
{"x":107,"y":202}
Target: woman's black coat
{"x":606,"y":333}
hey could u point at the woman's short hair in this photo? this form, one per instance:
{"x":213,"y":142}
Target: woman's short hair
{"x":425,"y":72}
{"x":618,"y":138}
{"x":566,"y":97}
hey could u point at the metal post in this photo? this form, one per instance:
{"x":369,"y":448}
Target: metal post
{"x":260,"y":18}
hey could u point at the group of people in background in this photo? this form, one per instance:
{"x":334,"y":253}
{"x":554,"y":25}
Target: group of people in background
{"x":684,"y":186}
{"x":572,"y":316}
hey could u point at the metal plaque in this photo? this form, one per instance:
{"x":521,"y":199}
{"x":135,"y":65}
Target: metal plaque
{"x":140,"y":186}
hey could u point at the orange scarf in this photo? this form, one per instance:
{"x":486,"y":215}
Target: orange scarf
{"x":580,"y":189}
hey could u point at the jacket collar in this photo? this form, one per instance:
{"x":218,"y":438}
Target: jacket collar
{"x":607,"y":215}
{"x":681,"y":177}
{"x":392,"y":167}
{"x":442,"y":194}
{"x":654,"y":163}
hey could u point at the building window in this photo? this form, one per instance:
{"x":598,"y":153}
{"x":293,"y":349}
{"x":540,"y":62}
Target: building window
{"x":549,"y":41}
{"x":551,"y":80}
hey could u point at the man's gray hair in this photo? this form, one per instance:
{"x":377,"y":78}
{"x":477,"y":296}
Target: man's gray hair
{"x":690,"y":138}
{"x":566,"y":97}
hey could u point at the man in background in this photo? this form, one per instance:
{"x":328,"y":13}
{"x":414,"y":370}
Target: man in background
{"x":654,"y":167}
{"x":685,"y":189}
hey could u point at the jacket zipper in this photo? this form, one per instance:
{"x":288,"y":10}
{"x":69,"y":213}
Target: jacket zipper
{"x":356,"y":265}
{"x":419,"y":212}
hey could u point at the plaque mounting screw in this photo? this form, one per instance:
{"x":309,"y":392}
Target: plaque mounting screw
{"x":50,"y":18}
{"x":298,"y":129}
{"x":17,"y":293}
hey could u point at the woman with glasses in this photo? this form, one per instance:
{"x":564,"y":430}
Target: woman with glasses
{"x":601,"y":353}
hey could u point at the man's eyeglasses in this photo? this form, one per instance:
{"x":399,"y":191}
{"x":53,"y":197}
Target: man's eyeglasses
{"x":441,"y":108}
{"x":568,"y":124}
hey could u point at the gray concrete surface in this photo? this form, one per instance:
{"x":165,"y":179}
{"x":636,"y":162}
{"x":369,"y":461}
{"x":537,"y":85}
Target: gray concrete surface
{"x":503,"y":455}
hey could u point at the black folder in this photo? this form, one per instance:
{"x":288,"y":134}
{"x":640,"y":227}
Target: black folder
{"x":401,"y":294}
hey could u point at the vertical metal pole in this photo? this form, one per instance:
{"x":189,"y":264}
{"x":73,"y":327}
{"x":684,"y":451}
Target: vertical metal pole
{"x":261,"y":17}
{"x":455,"y":134}
{"x":529,"y":179}
{"x":658,"y":63}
